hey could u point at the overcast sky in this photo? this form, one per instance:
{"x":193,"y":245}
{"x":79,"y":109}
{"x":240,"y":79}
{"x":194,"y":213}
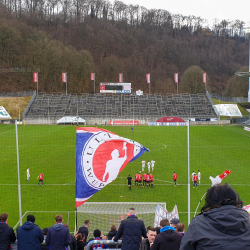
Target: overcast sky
{"x":207,"y":9}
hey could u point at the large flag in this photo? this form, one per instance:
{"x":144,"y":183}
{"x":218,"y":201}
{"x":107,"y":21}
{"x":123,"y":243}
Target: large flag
{"x":100,"y":157}
{"x":218,"y":179}
{"x":204,"y":77}
{"x":176,"y":77}
{"x":64,"y":77}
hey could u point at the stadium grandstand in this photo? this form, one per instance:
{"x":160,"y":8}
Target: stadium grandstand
{"x":109,"y":106}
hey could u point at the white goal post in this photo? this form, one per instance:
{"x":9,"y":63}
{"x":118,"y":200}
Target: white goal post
{"x":102,"y":215}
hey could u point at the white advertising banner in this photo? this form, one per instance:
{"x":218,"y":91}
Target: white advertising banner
{"x":228,"y":110}
{"x":162,"y":213}
{"x":4,"y":114}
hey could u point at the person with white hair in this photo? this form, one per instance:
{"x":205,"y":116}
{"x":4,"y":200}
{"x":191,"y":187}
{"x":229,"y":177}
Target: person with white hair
{"x":131,"y":230}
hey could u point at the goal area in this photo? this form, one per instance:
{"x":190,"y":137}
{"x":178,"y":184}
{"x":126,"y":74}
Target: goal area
{"x":102,"y":215}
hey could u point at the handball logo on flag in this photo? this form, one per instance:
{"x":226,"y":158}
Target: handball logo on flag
{"x":100,"y":157}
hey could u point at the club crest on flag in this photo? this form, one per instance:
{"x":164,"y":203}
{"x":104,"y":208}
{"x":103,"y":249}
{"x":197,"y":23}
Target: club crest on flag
{"x":100,"y":156}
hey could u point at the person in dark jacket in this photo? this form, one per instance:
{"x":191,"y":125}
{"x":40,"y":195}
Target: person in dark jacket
{"x":148,"y":242}
{"x":131,"y":231}
{"x":43,"y":244}
{"x":112,"y":232}
{"x":223,"y":224}
{"x":84,"y":230}
{"x":73,"y":244}
{"x":7,"y":234}
{"x":29,"y":235}
{"x":58,"y":236}
{"x":168,"y":239}
{"x":80,"y":242}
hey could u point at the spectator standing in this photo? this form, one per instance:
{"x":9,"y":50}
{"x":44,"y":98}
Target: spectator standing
{"x":7,"y":234}
{"x":84,"y":230}
{"x":29,"y":235}
{"x":97,"y":236}
{"x":168,"y":239}
{"x":223,"y":224}
{"x":73,"y":244}
{"x":80,"y":242}
{"x":43,"y":244}
{"x":131,"y":230}
{"x":147,"y":242}
{"x":174,"y":222}
{"x":58,"y":236}
{"x":180,"y":228}
{"x":112,"y":232}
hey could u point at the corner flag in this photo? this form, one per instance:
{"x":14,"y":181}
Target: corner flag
{"x":100,"y":157}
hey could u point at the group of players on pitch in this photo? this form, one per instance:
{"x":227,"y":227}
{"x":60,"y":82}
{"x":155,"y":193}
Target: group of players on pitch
{"x":145,"y":180}
{"x":195,"y":177}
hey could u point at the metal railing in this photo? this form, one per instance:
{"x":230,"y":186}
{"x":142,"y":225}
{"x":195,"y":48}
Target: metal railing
{"x":116,"y":245}
{"x":228,"y":99}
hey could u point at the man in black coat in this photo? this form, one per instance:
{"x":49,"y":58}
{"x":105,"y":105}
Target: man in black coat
{"x":131,"y":231}
{"x":84,"y":230}
{"x":168,"y":239}
{"x":7,"y":234}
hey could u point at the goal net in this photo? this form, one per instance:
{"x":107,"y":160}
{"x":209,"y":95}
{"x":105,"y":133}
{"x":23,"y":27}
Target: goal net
{"x":102,"y":215}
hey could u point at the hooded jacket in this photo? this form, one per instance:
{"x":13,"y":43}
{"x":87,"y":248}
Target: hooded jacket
{"x":226,"y":227}
{"x":7,"y":235}
{"x":29,"y":236}
{"x":131,"y":231}
{"x":168,"y":239}
{"x":58,"y":237}
{"x":112,"y":234}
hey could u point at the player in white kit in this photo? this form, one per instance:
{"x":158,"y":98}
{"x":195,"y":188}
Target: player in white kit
{"x":149,"y":164}
{"x":143,"y":165}
{"x":199,"y":176}
{"x":152,"y":165}
{"x":28,"y":174}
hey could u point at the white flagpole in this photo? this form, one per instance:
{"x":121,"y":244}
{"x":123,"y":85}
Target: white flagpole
{"x":18,"y":174}
{"x":188,"y":173}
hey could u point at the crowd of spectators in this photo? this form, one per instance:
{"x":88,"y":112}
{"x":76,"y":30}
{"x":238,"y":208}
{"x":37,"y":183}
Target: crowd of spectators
{"x":222,"y":224}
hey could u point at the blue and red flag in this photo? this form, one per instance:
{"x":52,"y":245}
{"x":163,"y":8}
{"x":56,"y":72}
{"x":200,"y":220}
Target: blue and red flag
{"x":100,"y":156}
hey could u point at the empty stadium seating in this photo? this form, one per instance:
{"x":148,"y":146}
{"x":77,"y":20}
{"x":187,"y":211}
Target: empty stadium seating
{"x":110,"y":106}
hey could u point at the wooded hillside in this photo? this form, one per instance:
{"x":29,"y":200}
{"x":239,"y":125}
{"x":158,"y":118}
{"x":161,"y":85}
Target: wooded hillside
{"x":78,"y":37}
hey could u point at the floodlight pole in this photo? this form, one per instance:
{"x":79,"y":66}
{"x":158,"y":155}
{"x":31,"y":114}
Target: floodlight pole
{"x":18,"y":175}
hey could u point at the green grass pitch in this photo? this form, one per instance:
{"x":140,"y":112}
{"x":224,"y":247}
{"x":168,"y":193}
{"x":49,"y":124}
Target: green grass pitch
{"x":51,"y":150}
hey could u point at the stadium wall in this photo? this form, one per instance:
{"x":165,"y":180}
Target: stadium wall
{"x":101,"y":121}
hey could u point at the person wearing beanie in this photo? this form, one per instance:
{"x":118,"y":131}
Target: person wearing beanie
{"x":7,"y":234}
{"x":29,"y":235}
{"x":97,"y":234}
